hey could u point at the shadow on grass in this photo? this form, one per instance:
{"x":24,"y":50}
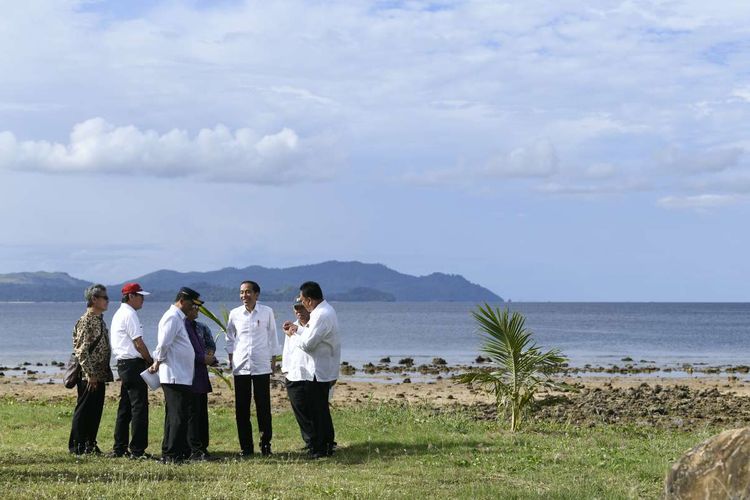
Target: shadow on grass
{"x":64,"y":467}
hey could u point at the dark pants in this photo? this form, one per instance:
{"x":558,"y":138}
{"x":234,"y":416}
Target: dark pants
{"x":198,"y":423}
{"x":177,"y":399}
{"x":86,"y":418}
{"x":133,"y":409}
{"x":320,"y":413}
{"x":244,"y":386}
{"x":298,"y":397}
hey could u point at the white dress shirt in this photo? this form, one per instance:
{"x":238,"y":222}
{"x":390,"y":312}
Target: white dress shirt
{"x":125,"y":328}
{"x":320,"y":339}
{"x":173,"y":349}
{"x":296,"y":364}
{"x":251,"y":339}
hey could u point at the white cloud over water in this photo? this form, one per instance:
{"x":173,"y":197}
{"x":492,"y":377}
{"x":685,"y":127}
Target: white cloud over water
{"x":218,"y":153}
{"x":698,"y":202}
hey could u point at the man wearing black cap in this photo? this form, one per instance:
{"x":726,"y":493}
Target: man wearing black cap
{"x":173,"y":359}
{"x":132,"y":358}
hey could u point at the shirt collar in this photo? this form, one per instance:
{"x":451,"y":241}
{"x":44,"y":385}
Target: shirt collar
{"x":179,"y":312}
{"x":125,"y":305}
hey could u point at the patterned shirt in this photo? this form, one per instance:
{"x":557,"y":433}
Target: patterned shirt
{"x":93,"y":363}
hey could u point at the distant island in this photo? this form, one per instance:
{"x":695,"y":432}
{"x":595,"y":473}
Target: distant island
{"x":341,"y":281}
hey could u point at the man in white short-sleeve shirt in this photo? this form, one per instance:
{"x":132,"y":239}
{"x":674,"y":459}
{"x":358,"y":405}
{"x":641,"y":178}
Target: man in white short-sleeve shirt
{"x":132,"y":357}
{"x":252,"y":346}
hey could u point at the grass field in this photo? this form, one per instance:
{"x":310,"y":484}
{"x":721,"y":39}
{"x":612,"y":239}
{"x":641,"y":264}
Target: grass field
{"x":385,"y":451}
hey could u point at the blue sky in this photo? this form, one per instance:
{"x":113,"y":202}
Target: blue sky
{"x":548,"y":150}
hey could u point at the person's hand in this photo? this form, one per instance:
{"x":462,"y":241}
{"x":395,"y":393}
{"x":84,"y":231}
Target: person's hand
{"x":286,"y":324}
{"x":209,"y":360}
{"x":93,"y":384}
{"x":290,"y":329}
{"x":154,"y":367}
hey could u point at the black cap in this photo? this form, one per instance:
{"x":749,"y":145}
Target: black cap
{"x":298,"y":303}
{"x":191,"y":294}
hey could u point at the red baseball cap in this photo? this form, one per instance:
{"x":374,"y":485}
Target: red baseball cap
{"x":133,"y":288}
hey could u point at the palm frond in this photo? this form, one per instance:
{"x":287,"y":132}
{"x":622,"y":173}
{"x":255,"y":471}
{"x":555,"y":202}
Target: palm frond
{"x":220,"y":373}
{"x":204,"y":310}
{"x":521,"y":367}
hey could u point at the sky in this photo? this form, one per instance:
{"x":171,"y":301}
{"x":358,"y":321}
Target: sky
{"x":560,"y":150}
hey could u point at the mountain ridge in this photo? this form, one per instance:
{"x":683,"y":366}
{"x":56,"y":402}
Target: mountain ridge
{"x":343,"y":281}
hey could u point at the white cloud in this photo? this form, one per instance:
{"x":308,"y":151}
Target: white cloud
{"x":742,"y":92}
{"x":698,"y":202}
{"x":600,"y":171}
{"x":218,"y":154}
{"x":600,"y":188}
{"x":714,"y":160}
{"x":536,"y":160}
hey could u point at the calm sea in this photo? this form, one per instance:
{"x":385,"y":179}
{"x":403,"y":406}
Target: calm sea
{"x":595,"y":333}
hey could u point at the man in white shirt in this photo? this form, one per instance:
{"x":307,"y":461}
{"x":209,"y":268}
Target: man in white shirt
{"x":252,"y":346}
{"x":320,"y":339}
{"x":174,"y":359}
{"x":296,"y":365}
{"x":132,"y":357}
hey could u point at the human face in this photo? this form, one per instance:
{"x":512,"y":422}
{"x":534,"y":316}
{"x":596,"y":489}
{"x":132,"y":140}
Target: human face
{"x":101,"y":302}
{"x":308,"y":303}
{"x":136,"y":300}
{"x":302,"y":314}
{"x":185,"y":305}
{"x":192,"y":312}
{"x":248,"y":296}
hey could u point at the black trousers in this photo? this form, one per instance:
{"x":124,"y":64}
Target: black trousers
{"x":323,"y":433}
{"x":177,"y":399}
{"x":198,"y":423}
{"x":244,"y":386}
{"x":132,"y":413}
{"x":298,"y":397}
{"x":86,"y":418}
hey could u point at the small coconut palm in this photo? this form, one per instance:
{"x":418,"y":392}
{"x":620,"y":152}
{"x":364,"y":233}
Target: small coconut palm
{"x":520,"y":367}
{"x":223,"y":326}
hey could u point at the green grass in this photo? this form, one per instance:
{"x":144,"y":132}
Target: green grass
{"x":386,"y":450}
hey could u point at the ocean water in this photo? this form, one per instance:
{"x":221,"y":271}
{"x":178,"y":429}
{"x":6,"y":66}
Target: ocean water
{"x":587,"y":333}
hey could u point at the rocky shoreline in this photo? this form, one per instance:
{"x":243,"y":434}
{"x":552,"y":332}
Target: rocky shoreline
{"x":683,"y":397}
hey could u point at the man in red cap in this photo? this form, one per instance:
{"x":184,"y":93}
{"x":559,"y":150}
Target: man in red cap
{"x":132,"y":358}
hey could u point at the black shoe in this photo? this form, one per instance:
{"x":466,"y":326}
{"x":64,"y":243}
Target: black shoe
{"x":265,"y":450}
{"x":118,"y":454}
{"x":93,"y":450}
{"x":171,"y":460}
{"x":142,"y":456}
{"x":198,"y":457}
{"x":246,"y":454}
